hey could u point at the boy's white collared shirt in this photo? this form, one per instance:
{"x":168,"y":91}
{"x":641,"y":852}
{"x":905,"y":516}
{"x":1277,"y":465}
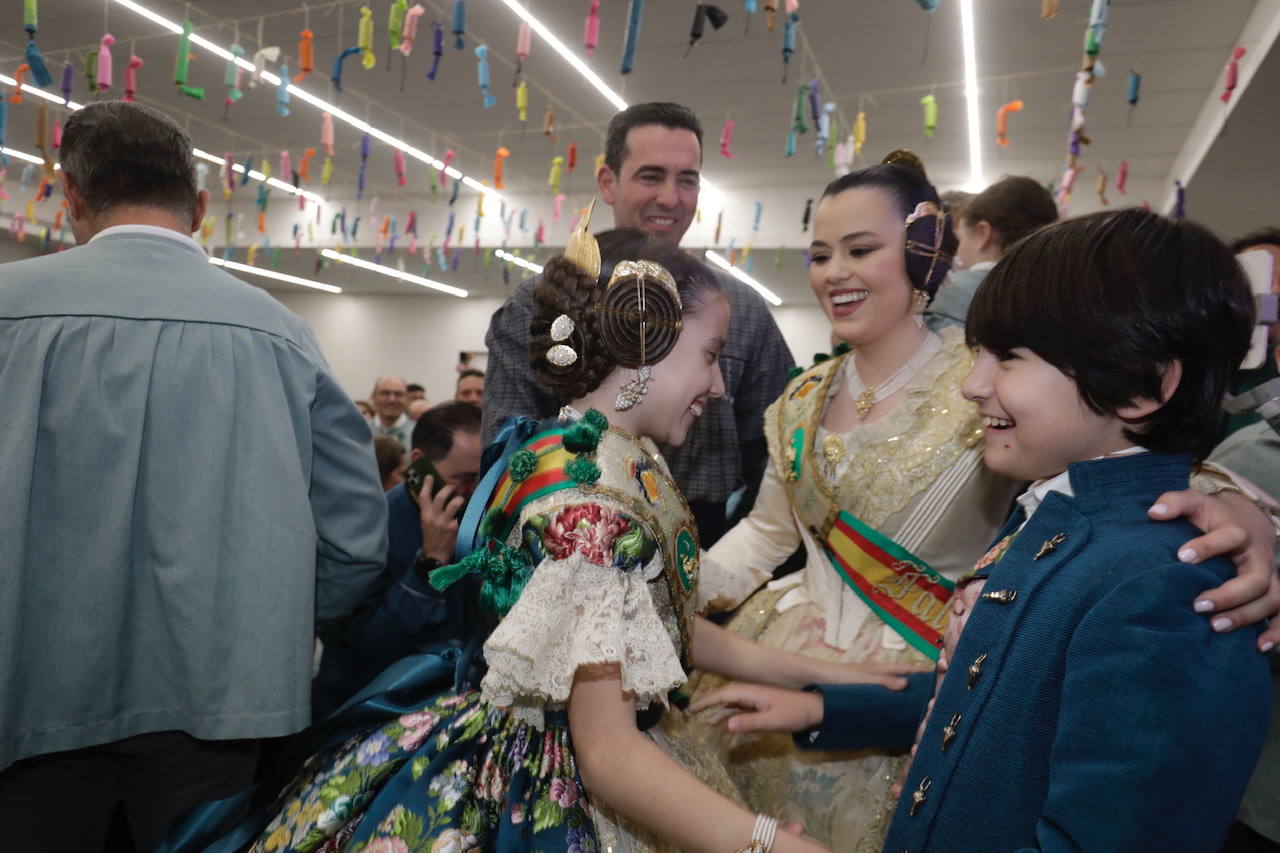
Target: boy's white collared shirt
{"x":1035,"y":494}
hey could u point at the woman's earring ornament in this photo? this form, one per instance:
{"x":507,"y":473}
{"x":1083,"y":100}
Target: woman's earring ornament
{"x":561,"y":328}
{"x":561,"y":355}
{"x":633,"y":390}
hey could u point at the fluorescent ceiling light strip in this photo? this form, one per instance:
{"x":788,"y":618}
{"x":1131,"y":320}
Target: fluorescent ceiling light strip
{"x":317,"y":102}
{"x":21,"y":155}
{"x":518,"y":261}
{"x":278,"y":276}
{"x":569,"y":56}
{"x":977,"y":181}
{"x":392,"y":272}
{"x":719,"y":261}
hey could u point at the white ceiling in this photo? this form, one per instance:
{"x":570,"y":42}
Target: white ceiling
{"x":881,"y":55}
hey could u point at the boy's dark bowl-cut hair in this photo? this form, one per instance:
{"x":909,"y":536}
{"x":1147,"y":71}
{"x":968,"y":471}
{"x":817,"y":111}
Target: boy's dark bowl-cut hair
{"x":1111,"y":299}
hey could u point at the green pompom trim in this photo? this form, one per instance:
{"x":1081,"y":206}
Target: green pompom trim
{"x":794,"y":372}
{"x":581,"y":437}
{"x":819,"y":357}
{"x":596,"y":419}
{"x":842,"y":348}
{"x":583,"y":471}
{"x":521,"y":465}
{"x":493,"y":518}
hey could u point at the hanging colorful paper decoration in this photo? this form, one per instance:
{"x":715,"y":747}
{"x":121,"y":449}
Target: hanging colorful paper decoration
{"x":770,"y":14}
{"x":228,"y":176}
{"x":797,"y":120}
{"x":437,"y":49}
{"x":1002,"y":122}
{"x":57,"y":134}
{"x":90,"y":70}
{"x":591,"y":28}
{"x":549,"y":123}
{"x":524,"y":41}
{"x":19,"y":77}
{"x":522,"y":104}
{"x":726,"y":138}
{"x":453,"y":194}
{"x":927,"y":5}
{"x":1122,"y":177}
{"x":409,"y":29}
{"x":282,"y":92}
{"x":459,"y":24}
{"x":245,"y":170}
{"x":326,"y":133}
{"x":808,"y":213}
{"x":788,"y":41}
{"x":631,"y":39}
{"x":599,"y":164}
{"x":553,"y":179}
{"x":304,"y":168}
{"x":181,"y":65}
{"x":1102,"y":187}
{"x":335,"y":77}
{"x":571,"y":156}
{"x":260,"y":59}
{"x":1135,"y":92}
{"x":824,"y":128}
{"x":131,"y":77}
{"x":482,"y":75}
{"x":104,"y":62}
{"x":703,"y":13}
{"x":366,"y":141}
{"x":231,"y":78}
{"x":396,"y":15}
{"x":498,"y":164}
{"x":557,"y":204}
{"x":1232,"y":75}
{"x":326,"y":170}
{"x":397,"y":160}
{"x":68,"y":82}
{"x":1048,"y":8}
{"x":859,"y":133}
{"x":306,"y":55}
{"x":930,"y":105}
{"x":1179,"y":200}
{"x":32,"y":57}
{"x":844,"y":156}
{"x":1099,"y":16}
{"x":286,"y":165}
{"x":364,"y":39}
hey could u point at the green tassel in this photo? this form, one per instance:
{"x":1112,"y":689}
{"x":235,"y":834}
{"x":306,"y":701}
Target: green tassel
{"x":597,"y":420}
{"x":521,"y":465}
{"x":794,"y":372}
{"x":583,"y":471}
{"x":819,"y":357}
{"x":842,"y":348}
{"x":581,"y":437}
{"x":505,"y":574}
{"x":446,"y":576}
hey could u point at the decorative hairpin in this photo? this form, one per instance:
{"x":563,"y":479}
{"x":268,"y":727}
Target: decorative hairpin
{"x":562,"y":355}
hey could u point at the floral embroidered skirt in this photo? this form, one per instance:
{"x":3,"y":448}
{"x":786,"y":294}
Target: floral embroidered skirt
{"x":457,"y":775}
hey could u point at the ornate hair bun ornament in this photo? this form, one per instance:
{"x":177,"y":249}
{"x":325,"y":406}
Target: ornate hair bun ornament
{"x":639,"y":314}
{"x":924,"y":212}
{"x":582,"y":249}
{"x":907,"y":158}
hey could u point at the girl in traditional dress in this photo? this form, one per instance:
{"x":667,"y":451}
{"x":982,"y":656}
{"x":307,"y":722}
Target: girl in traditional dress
{"x":589,"y":555}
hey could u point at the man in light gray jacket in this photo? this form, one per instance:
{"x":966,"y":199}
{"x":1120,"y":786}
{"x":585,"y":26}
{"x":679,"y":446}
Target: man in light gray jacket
{"x":186,"y":491}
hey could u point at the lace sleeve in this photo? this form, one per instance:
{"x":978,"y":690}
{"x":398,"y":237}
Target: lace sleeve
{"x":575,"y":612}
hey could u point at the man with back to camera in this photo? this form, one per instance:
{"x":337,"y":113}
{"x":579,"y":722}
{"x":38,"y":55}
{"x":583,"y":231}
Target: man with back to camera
{"x":168,"y":551}
{"x":651,"y":178}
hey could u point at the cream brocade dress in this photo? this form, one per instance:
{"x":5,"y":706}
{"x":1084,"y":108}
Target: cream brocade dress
{"x":916,"y":476}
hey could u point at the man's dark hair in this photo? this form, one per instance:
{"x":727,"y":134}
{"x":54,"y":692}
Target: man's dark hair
{"x":674,"y":116}
{"x":121,"y":153}
{"x":1261,"y":237}
{"x":1111,"y":299}
{"x":469,"y":372}
{"x":433,"y":434}
{"x":414,"y":386}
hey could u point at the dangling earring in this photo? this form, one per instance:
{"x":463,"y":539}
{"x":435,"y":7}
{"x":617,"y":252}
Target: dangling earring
{"x":919,"y":301}
{"x":633,"y":390}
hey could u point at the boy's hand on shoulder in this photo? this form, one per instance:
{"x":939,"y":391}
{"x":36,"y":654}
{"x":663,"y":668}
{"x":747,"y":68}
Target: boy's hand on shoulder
{"x":1237,"y":528}
{"x":755,"y":707}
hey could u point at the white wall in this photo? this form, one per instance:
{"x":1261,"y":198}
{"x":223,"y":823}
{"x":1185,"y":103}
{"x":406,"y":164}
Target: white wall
{"x":419,"y":338}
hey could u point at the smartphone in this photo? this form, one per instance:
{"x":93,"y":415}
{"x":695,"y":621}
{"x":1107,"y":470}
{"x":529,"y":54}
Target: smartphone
{"x":417,"y":472}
